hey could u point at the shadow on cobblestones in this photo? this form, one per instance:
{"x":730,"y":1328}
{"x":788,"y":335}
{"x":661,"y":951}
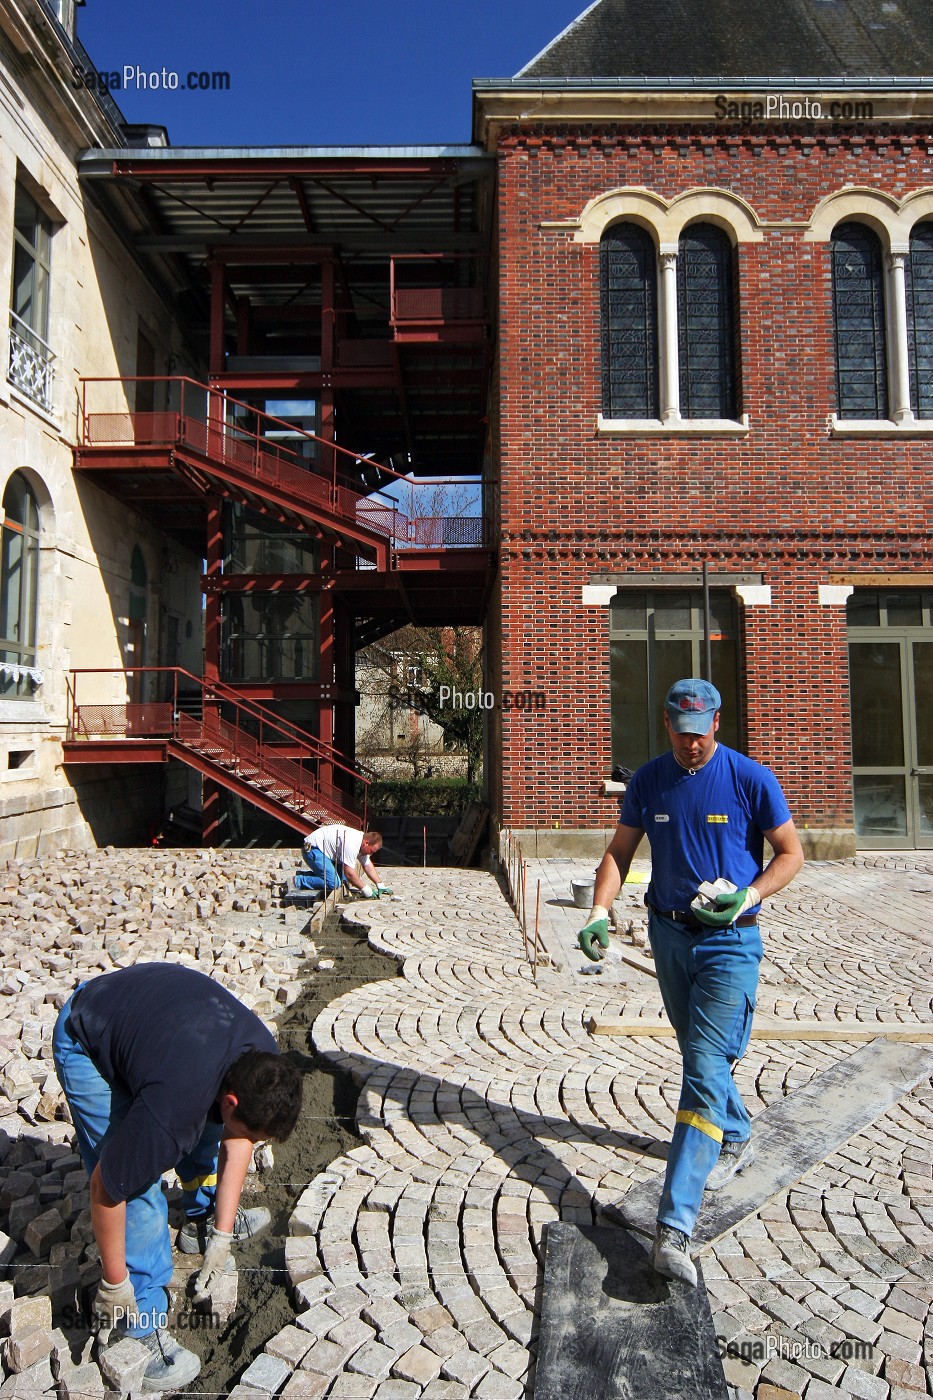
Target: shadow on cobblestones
{"x":325,"y":1130}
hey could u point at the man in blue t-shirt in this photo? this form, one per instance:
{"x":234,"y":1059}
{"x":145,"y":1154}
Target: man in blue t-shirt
{"x":162,"y":1067}
{"x":706,"y":811}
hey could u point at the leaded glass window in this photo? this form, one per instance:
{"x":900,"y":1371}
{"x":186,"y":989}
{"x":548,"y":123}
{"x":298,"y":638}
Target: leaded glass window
{"x":628,"y":287}
{"x":920,"y":320}
{"x":858,"y":323}
{"x":706,"y":323}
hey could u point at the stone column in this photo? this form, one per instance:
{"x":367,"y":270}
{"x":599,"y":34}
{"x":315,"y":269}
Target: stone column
{"x":898,"y":369}
{"x":669,"y":356}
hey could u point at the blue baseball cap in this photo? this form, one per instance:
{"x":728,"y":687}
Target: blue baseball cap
{"x":692,"y":705}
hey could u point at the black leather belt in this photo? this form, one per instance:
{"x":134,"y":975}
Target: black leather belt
{"x":689,"y":920}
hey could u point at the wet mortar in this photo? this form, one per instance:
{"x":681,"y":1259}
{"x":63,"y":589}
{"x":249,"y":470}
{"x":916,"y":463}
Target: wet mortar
{"x":324,"y":1131}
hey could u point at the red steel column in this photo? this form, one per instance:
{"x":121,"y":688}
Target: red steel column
{"x":327,"y":677}
{"x":210,"y":791}
{"x":328,"y":350}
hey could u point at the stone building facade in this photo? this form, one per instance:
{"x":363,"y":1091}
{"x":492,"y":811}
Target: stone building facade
{"x":85,"y":583}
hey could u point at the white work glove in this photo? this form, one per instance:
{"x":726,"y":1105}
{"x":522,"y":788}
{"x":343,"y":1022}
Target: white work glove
{"x":383,"y":889}
{"x":217,"y":1260}
{"x":368,"y":892}
{"x":113,"y":1303}
{"x":725,"y":906}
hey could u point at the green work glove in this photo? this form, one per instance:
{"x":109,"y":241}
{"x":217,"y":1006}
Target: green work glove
{"x":728,"y":907}
{"x":368,"y":892}
{"x":595,"y":932}
{"x":382,"y":889}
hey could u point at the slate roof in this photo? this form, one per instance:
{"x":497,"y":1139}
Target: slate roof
{"x":736,"y":38}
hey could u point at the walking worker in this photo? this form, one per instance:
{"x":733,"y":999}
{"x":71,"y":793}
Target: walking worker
{"x":705,"y":810}
{"x":332,"y":853}
{"x":162,"y":1067}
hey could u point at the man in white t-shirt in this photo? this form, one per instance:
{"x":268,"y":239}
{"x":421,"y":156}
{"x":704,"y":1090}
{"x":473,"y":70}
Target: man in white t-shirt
{"x":332,"y":853}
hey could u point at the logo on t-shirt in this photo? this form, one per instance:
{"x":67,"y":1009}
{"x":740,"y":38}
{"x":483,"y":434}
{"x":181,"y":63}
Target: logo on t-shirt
{"x":712,"y":817}
{"x":661,"y":817}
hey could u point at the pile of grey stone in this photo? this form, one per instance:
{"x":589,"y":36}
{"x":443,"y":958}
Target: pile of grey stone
{"x":62,"y":923}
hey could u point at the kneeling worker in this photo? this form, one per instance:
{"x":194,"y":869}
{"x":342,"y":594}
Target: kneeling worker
{"x":162,"y":1067}
{"x":332,"y":852}
{"x":705,"y":810}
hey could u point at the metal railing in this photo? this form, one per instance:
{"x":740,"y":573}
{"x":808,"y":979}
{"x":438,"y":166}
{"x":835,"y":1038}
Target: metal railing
{"x":32,"y":363}
{"x":216,"y":426}
{"x":443,"y":304}
{"x":265,"y":752}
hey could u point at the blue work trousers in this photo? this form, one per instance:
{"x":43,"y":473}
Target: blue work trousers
{"x":97,"y":1109}
{"x":323,"y":875}
{"x":708,"y":982}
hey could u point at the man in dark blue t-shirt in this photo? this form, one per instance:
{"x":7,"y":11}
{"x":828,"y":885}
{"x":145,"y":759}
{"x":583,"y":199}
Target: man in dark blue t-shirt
{"x":163,"y":1068}
{"x":706,"y":811}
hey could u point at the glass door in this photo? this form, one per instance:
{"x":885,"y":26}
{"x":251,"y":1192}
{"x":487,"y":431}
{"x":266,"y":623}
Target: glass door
{"x":891,"y":694}
{"x":921,"y":665}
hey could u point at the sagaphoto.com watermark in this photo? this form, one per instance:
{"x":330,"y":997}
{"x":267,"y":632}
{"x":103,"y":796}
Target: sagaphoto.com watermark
{"x":451,"y":697}
{"x":776,"y":1348}
{"x":780,"y":106}
{"x":132,"y":77}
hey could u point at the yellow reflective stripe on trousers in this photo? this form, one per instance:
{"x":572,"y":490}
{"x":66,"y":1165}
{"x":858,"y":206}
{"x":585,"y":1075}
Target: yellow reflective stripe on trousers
{"x":199,"y":1181}
{"x":703,"y":1125}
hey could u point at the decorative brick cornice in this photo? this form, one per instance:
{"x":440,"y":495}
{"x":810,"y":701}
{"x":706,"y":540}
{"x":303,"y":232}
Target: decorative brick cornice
{"x":872,"y":550}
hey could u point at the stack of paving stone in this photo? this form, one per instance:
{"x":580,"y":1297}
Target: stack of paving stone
{"x":89,"y":914}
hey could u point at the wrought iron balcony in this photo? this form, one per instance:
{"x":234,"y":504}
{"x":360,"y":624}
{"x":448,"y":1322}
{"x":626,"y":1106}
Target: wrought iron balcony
{"x":32,"y":363}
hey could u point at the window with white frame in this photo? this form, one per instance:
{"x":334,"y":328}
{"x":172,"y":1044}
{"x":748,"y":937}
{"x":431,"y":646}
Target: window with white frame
{"x":881,"y":260}
{"x":679,"y":366}
{"x":31,"y":358}
{"x":19,"y":589}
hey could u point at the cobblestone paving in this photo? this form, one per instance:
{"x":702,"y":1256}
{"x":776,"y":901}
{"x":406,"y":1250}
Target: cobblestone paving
{"x":487,"y":1111}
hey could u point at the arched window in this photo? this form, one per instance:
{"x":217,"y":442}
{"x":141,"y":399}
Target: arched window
{"x":19,"y":587}
{"x":919,"y":268}
{"x":629,"y":304}
{"x":858,"y":322}
{"x":706,"y":323}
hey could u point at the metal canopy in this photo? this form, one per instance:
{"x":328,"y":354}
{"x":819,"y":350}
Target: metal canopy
{"x":286,"y":225}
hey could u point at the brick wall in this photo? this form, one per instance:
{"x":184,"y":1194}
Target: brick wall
{"x":788,"y":501}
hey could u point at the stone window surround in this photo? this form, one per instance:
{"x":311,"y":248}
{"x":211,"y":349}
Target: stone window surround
{"x":893,"y":220}
{"x":665,"y":221}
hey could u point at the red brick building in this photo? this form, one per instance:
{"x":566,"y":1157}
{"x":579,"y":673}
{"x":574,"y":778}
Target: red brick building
{"x":715,"y":347}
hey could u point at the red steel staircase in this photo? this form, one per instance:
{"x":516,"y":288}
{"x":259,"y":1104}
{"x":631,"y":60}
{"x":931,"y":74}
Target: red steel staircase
{"x":210,"y":727}
{"x":205,"y":445}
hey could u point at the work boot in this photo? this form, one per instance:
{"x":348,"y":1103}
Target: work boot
{"x":192,"y":1235}
{"x":734,"y":1157}
{"x":172,"y":1367}
{"x":670,"y":1255}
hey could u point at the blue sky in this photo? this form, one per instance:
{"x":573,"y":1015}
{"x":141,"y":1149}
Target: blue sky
{"x":307,"y":73}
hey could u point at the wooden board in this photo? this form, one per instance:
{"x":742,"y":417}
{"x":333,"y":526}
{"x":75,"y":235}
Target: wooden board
{"x":466,"y":838}
{"x":613,"y":1329}
{"x":768,"y":1028}
{"x":795,"y":1134}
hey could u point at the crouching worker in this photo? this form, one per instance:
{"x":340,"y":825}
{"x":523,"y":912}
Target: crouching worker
{"x":332,"y":853}
{"x":163,"y":1068}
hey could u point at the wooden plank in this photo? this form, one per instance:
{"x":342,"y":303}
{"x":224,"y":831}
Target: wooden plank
{"x":466,"y":838}
{"x":768,"y":1028}
{"x":613,"y":1329}
{"x":795,"y":1134}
